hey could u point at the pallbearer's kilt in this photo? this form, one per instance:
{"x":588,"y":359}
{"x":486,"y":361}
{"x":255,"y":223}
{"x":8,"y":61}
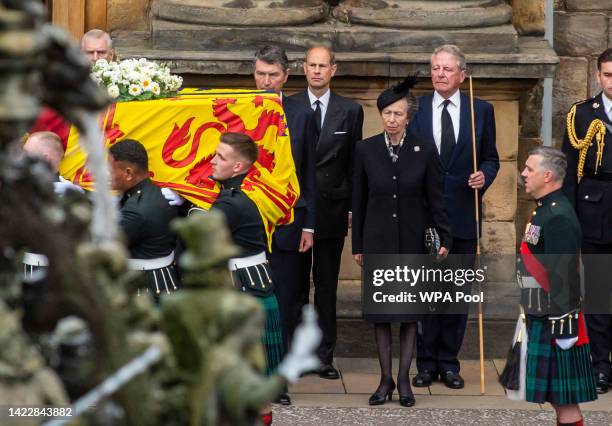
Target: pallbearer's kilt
{"x":555,"y":375}
{"x":272,"y":339}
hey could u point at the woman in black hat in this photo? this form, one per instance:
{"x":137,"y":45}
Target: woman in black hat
{"x":397,"y":194}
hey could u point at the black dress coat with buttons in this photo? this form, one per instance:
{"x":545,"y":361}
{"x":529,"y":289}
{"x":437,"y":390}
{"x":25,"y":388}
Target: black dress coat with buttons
{"x":592,"y":195}
{"x":393,"y":203}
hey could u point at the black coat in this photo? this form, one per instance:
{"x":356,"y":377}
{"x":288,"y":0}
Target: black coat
{"x":342,"y":128}
{"x":393,"y":203}
{"x":592,"y":197}
{"x":303,"y":134}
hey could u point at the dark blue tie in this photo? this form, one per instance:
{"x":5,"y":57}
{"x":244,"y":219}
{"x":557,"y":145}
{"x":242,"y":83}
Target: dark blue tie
{"x":447,"y":143}
{"x":318,"y":114}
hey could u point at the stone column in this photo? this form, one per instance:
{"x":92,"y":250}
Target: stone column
{"x":241,"y":12}
{"x":424,"y":14}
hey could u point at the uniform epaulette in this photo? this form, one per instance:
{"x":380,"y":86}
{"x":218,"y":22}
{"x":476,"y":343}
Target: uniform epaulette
{"x":584,"y":101}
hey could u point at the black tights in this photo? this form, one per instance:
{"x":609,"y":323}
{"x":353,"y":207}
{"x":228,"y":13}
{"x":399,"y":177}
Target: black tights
{"x":382,"y":333}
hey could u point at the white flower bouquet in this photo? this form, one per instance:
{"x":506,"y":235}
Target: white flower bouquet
{"x":136,"y":79}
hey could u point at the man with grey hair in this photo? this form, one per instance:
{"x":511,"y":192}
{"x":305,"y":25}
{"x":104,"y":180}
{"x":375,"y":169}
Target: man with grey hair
{"x":97,"y":44}
{"x":443,"y":119}
{"x":291,"y":255}
{"x":558,"y":364}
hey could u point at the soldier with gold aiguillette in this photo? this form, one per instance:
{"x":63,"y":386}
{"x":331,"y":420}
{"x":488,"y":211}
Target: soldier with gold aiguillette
{"x":558,"y":365}
{"x":588,"y":186}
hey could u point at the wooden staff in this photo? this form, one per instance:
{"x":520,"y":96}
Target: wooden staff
{"x":480,"y":326}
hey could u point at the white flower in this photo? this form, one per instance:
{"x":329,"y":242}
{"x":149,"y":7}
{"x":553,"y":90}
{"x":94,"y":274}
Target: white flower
{"x":135,"y":76}
{"x":134,"y":89}
{"x":146,"y":84}
{"x":102,"y":63}
{"x":155,"y":88}
{"x":113,"y":91}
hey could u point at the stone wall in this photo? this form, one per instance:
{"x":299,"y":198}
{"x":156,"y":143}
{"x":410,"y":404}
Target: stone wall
{"x":582,"y":30}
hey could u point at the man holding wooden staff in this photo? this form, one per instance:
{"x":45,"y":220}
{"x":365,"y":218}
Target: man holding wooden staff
{"x":444,"y":118}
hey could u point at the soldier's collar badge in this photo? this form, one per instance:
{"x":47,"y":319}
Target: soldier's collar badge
{"x":595,"y":105}
{"x":417,"y":148}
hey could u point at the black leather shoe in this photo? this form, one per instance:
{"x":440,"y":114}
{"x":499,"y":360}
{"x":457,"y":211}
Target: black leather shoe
{"x":423,"y":379}
{"x":453,"y":380}
{"x":407,"y":400}
{"x":283,"y":399}
{"x":602,"y":383}
{"x":327,"y":371}
{"x":382,"y":394}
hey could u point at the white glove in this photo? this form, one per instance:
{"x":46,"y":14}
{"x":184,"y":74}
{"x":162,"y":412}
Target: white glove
{"x":565,"y":344}
{"x":301,"y":358}
{"x":173,"y":198}
{"x":60,"y":187}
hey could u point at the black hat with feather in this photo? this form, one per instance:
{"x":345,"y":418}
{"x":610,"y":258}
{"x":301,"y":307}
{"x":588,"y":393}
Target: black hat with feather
{"x":395,"y":93}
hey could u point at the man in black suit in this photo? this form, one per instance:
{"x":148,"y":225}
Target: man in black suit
{"x":339,"y":125}
{"x":443,"y":118}
{"x":291,"y":255}
{"x":592,"y":198}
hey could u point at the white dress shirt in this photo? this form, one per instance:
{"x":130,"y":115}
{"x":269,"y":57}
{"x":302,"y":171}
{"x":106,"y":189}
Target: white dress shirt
{"x":454,"y":109}
{"x":607,"y":104}
{"x":324,"y":100}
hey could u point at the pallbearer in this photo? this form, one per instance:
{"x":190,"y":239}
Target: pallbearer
{"x":558,"y":363}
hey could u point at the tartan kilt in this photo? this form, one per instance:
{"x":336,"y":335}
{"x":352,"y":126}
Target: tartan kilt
{"x":555,"y":375}
{"x":272,"y":339}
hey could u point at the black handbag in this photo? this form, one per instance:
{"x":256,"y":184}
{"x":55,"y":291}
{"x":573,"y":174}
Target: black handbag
{"x":432,"y":241}
{"x":255,"y":279}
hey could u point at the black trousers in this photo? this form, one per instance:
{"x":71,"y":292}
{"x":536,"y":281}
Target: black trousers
{"x":597,"y":259}
{"x":327,"y":253}
{"x":441,"y":335}
{"x":291,"y":276}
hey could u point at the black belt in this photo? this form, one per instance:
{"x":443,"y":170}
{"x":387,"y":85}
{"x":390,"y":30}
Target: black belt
{"x":603,"y":176}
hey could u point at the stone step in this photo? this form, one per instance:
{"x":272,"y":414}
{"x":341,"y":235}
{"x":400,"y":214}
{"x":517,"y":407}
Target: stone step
{"x":341,"y":37}
{"x":533,"y":59}
{"x":501,"y":301}
{"x":356,"y":337}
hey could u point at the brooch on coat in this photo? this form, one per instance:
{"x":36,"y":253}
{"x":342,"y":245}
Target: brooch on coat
{"x":532,"y":234}
{"x":595,"y":105}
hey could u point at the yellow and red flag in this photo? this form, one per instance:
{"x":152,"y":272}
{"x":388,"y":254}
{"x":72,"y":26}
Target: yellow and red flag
{"x":181,"y":135}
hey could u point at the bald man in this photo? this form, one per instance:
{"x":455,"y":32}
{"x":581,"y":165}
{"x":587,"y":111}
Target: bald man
{"x":48,"y":147}
{"x":339,"y":126}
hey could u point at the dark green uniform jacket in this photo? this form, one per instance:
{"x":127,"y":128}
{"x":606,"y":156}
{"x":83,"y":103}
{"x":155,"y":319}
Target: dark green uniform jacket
{"x":243,"y":218}
{"x":553,"y":239}
{"x":145,"y":220}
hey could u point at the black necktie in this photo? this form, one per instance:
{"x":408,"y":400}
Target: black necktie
{"x":318,"y":113}
{"x":447,"y":143}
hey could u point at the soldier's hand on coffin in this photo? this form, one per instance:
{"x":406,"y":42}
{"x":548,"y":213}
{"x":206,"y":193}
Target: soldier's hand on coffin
{"x":173,"y":198}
